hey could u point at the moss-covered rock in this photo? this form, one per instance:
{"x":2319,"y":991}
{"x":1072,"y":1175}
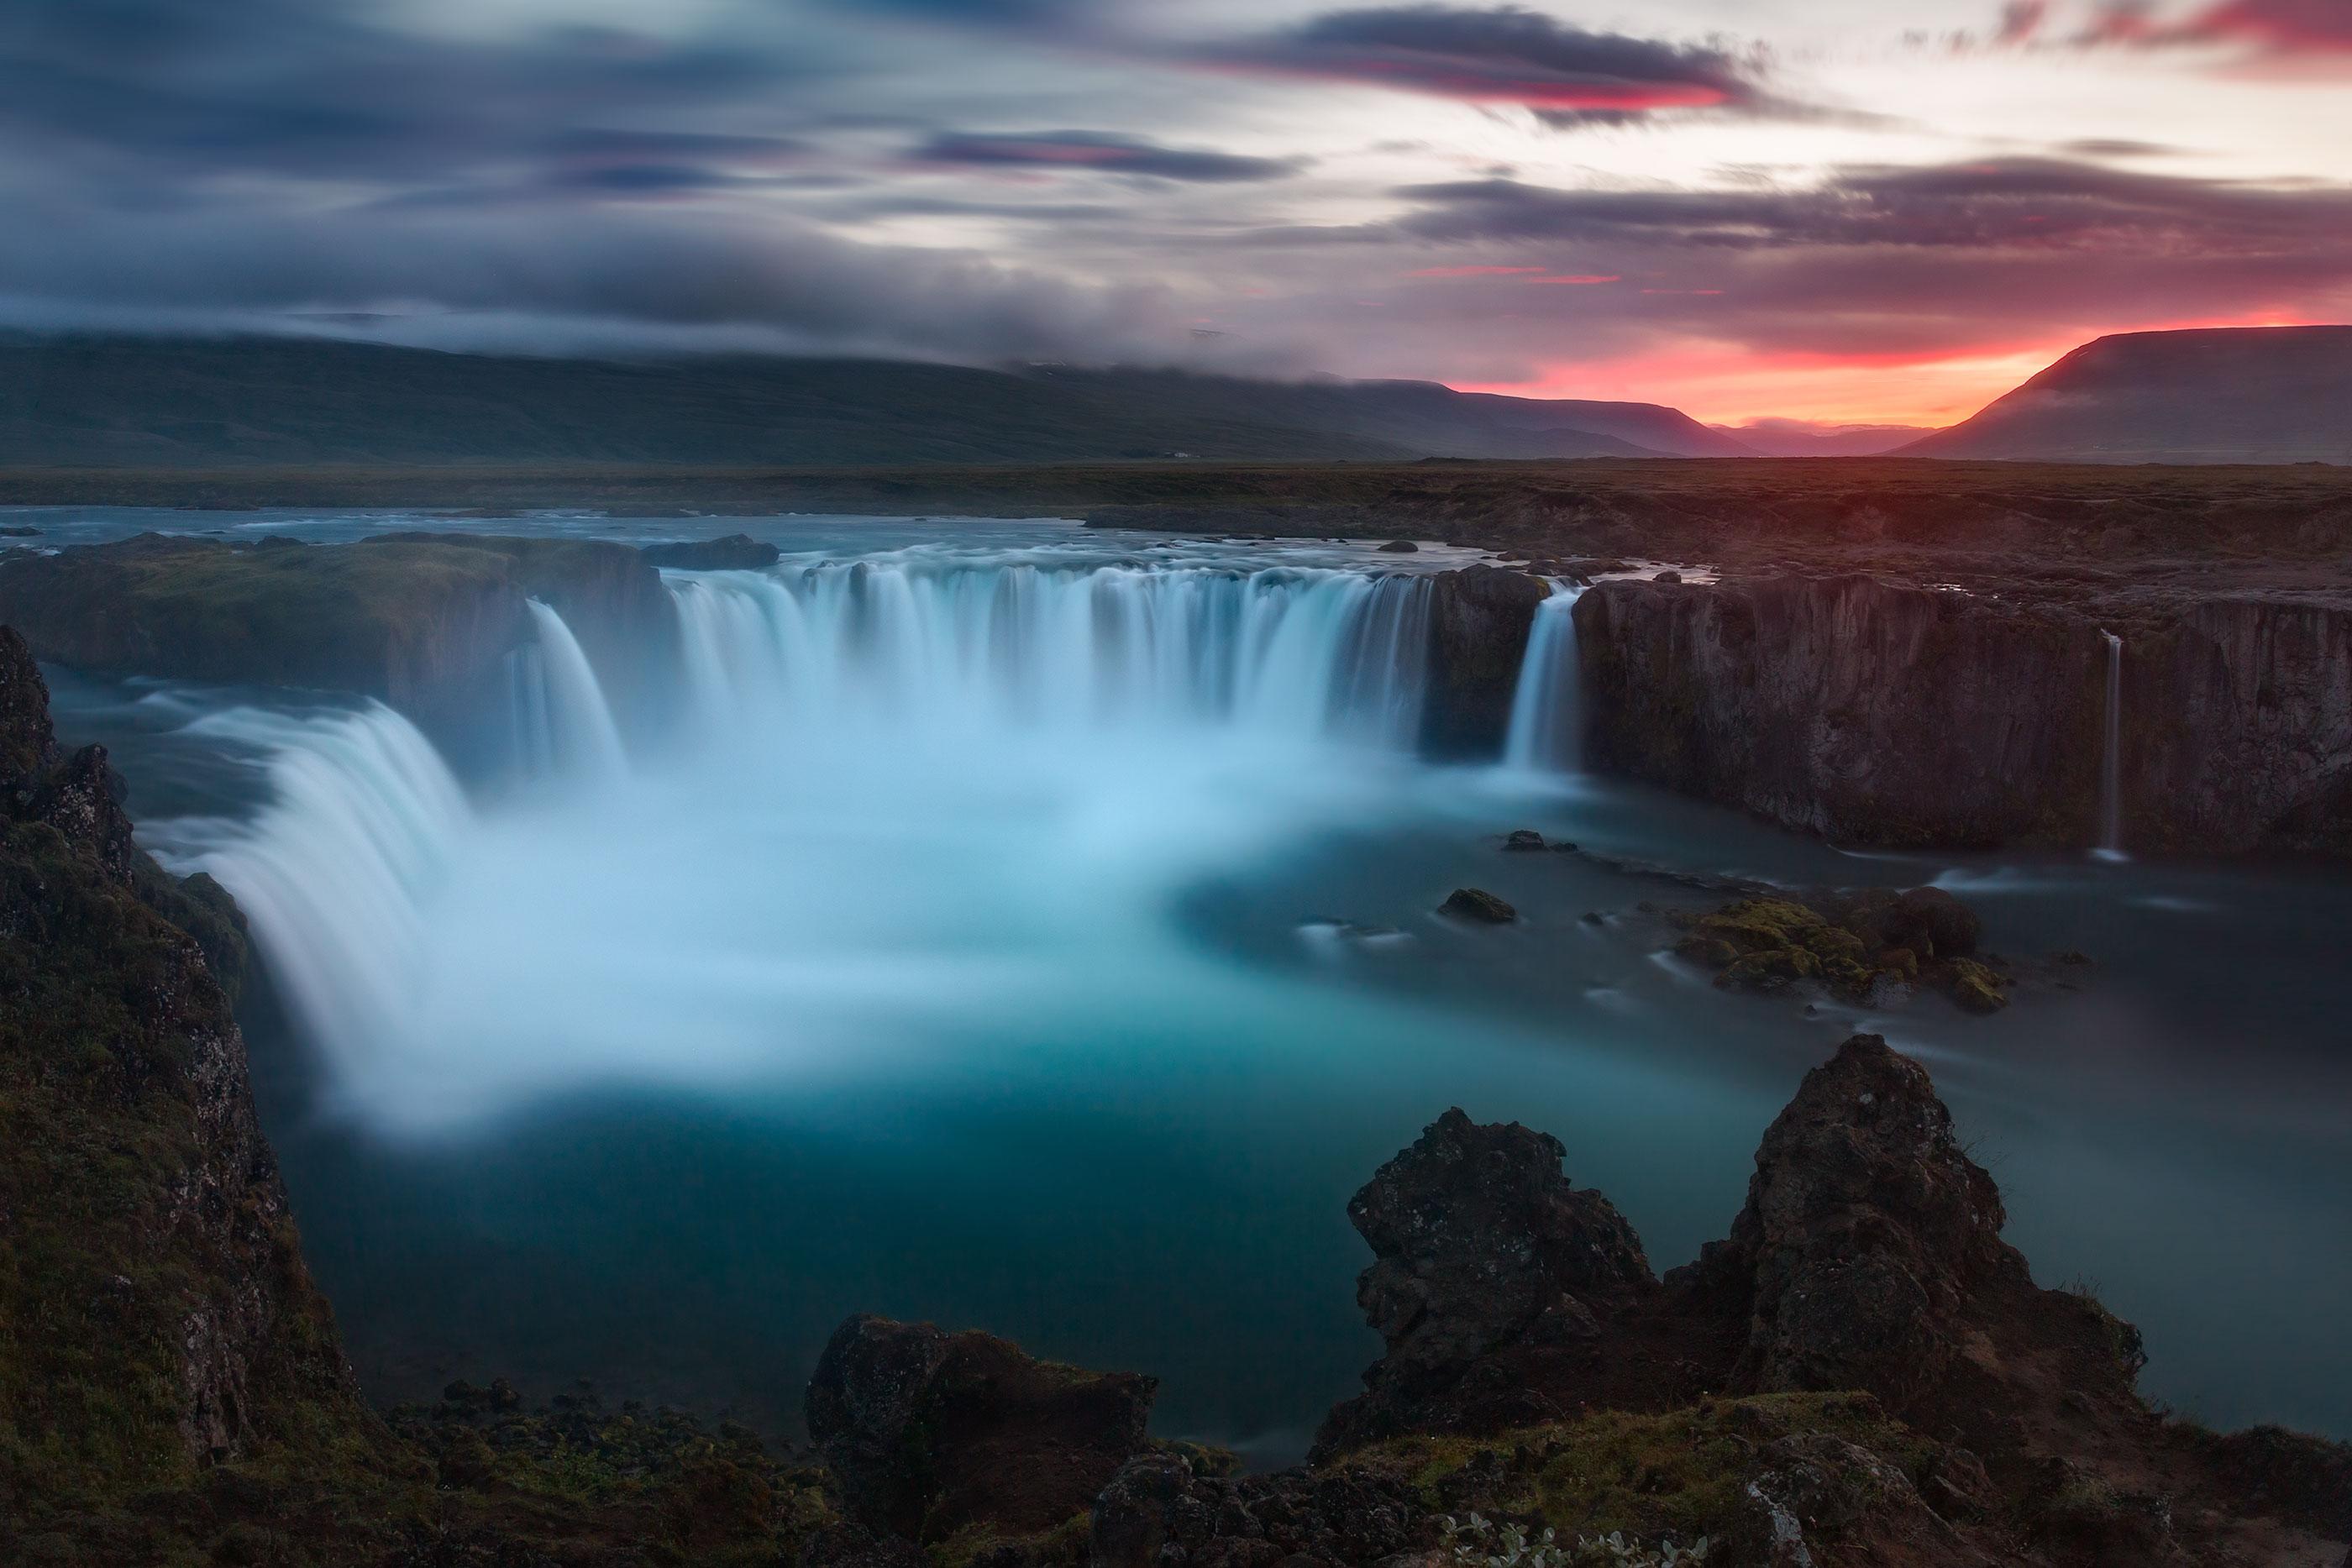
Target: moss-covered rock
{"x":1854,"y":946}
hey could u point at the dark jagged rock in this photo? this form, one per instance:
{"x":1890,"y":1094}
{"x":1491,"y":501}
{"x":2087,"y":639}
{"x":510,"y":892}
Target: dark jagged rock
{"x":1479,"y":619}
{"x":1476,"y":904}
{"x":1525,"y":839}
{"x":1479,"y":1242}
{"x":1517,"y":1315}
{"x":1866,"y":1230}
{"x":149,"y":1249}
{"x":736,"y":552}
{"x":928,"y":1432}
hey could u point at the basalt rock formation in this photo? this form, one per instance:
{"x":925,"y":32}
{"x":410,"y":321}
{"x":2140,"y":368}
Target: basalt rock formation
{"x":1479,"y":620}
{"x":1879,"y":713}
{"x":1851,"y":707}
{"x":424,"y":622}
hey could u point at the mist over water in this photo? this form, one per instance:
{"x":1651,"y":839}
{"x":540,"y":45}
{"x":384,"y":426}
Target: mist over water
{"x":896,"y":794}
{"x":1039,"y":935}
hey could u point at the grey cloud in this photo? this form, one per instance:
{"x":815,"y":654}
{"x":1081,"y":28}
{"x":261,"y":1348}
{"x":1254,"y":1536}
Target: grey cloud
{"x":1099,"y":152}
{"x":1504,"y":54}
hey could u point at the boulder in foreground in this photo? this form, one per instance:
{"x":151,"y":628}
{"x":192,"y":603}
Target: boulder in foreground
{"x":928,"y":1432}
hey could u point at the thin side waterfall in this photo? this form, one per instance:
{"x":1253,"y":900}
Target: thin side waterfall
{"x":1546,"y":731}
{"x":579,"y":721}
{"x":2111,"y":764}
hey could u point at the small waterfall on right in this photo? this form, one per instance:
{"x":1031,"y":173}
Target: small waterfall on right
{"x":1546,"y":732}
{"x":2111,"y":763}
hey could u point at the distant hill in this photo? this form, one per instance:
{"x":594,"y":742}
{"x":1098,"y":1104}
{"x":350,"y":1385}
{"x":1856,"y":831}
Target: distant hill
{"x":1804,"y":438}
{"x":108,"y":401}
{"x":2237,"y":395}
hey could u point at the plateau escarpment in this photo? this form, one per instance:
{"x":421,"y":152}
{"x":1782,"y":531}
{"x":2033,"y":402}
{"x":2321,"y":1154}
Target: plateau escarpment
{"x":424,"y":622}
{"x":1887,"y":714}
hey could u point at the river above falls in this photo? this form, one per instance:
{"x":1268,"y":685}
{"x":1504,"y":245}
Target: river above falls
{"x":1033,"y":929}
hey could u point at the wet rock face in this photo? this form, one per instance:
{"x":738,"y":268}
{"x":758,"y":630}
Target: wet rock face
{"x":2237,"y":730}
{"x":736,"y":552}
{"x":928,"y":1432}
{"x":1479,"y":619}
{"x":1881,"y":714}
{"x":1851,"y":707}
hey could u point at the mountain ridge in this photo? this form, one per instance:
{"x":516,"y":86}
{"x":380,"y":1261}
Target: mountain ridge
{"x":2208,"y":394}
{"x":115,"y":401}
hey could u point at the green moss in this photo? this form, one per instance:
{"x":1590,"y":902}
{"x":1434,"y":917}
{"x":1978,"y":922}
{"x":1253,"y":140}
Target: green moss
{"x":1681,"y":1474}
{"x":1065,"y":1543}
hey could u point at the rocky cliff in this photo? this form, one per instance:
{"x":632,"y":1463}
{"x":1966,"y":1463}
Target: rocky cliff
{"x":424,"y":622}
{"x":1478,"y":625}
{"x":159,"y":1317}
{"x":1885,"y":714}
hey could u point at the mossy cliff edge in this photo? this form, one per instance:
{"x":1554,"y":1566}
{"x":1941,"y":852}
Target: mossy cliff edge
{"x":1861,"y":1372}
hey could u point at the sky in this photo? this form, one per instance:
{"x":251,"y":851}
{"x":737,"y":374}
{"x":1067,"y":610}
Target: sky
{"x":1838,"y":211}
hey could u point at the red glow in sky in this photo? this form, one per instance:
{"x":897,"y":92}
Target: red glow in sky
{"x":1730,"y":386}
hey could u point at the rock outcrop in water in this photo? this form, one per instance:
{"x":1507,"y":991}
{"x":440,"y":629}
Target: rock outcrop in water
{"x":424,"y":622}
{"x":1478,"y":625}
{"x":1881,"y":714}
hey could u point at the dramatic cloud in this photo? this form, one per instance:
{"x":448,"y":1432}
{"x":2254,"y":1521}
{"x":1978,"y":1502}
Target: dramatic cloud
{"x":1101,"y":151}
{"x":1504,"y":55}
{"x":882,"y":176}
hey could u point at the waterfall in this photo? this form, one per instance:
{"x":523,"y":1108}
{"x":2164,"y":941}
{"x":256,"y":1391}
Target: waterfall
{"x":897,"y":793}
{"x":364,"y":822}
{"x":579,"y":721}
{"x":1292,"y":653}
{"x":1546,"y":731}
{"x":2111,"y":763}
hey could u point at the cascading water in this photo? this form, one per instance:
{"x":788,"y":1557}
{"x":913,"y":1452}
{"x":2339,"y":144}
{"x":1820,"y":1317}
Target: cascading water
{"x":1547,"y":729}
{"x":1286,"y":656}
{"x":2111,"y":766}
{"x":580,"y":724}
{"x":897,"y":790}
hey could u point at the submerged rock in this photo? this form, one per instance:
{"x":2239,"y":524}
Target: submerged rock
{"x":1476,"y":904}
{"x":1400,"y":547}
